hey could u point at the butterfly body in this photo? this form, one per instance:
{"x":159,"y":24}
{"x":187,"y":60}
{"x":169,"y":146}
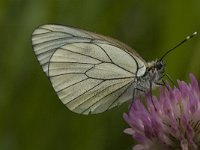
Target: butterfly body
{"x":92,"y":73}
{"x":151,"y":78}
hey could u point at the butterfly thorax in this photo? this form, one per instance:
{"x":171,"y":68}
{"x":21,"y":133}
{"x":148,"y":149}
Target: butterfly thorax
{"x":151,"y":78}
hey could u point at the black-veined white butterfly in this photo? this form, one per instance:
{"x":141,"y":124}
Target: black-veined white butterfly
{"x":92,"y":73}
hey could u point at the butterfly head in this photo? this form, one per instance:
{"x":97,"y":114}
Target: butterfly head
{"x":155,"y":71}
{"x":156,"y":67}
{"x":159,"y":65}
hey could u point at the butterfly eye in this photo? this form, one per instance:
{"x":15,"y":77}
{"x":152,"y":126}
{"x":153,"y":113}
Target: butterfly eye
{"x":159,"y":65}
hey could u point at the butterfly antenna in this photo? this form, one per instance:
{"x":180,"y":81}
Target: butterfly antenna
{"x":186,"y":39}
{"x":170,"y":78}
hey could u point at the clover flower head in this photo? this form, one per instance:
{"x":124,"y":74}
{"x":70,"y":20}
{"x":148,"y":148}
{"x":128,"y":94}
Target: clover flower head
{"x":169,"y":122}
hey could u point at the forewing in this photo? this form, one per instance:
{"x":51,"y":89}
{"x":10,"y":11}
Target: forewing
{"x":90,"y":73}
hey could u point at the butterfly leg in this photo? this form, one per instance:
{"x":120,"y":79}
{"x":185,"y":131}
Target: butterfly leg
{"x":134,"y":95}
{"x":130,"y":106}
{"x":170,"y":78}
{"x":162,"y":84}
{"x":150,"y":84}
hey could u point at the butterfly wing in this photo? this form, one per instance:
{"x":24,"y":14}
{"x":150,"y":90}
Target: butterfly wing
{"x":90,"y":73}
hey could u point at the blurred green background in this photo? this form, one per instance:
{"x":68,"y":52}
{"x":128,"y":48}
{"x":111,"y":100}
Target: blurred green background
{"x":31,"y":115}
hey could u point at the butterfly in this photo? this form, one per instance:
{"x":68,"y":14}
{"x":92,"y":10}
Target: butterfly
{"x":92,"y":73}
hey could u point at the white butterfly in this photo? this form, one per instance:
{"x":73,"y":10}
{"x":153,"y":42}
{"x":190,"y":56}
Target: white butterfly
{"x":92,"y":73}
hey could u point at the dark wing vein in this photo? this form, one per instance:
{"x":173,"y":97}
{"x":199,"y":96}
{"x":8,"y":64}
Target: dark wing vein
{"x":74,"y":62}
{"x":46,"y":29}
{"x":81,"y":54}
{"x":103,"y":97}
{"x":66,"y":32}
{"x":71,"y":85}
{"x":112,"y":60}
{"x":56,"y":32}
{"x":119,"y":96}
{"x":65,"y":74}
{"x":53,"y":40}
{"x":109,"y":79}
{"x":104,"y":51}
{"x":84,"y":92}
{"x":96,"y":95}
